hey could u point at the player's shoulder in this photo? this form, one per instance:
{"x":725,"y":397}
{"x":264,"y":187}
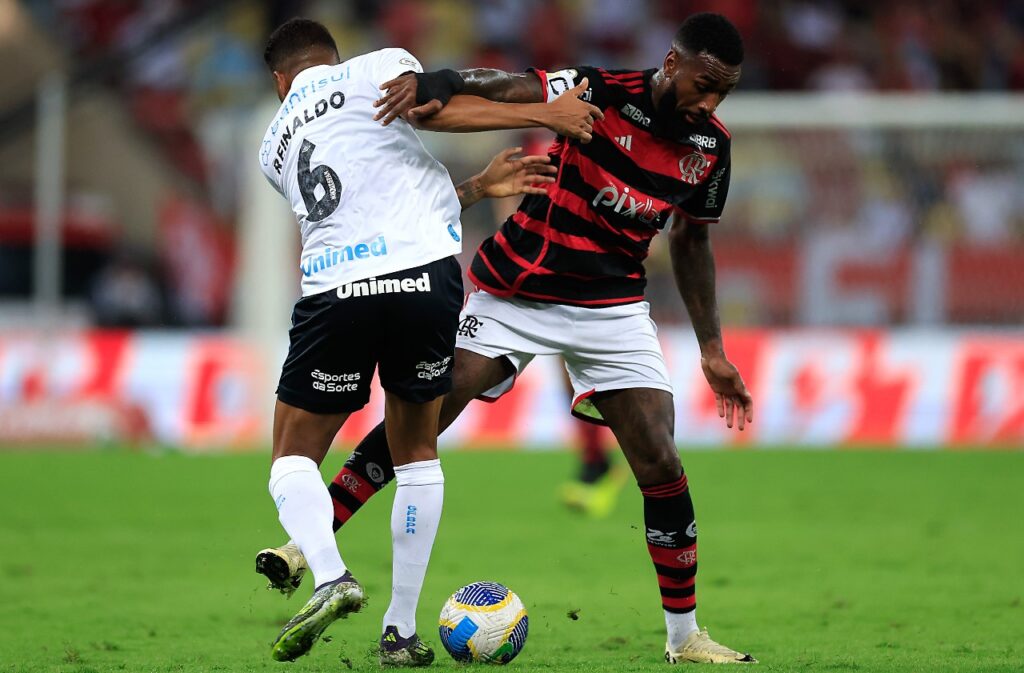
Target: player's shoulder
{"x":622,"y":77}
{"x":389,"y":55}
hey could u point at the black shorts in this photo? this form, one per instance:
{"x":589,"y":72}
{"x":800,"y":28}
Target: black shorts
{"x":403,"y":323}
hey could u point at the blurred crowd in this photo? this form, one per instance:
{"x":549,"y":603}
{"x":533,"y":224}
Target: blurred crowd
{"x":190,"y":70}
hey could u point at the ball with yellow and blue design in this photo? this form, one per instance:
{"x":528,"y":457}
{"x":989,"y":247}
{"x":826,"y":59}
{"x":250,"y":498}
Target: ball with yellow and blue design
{"x":483,"y":622}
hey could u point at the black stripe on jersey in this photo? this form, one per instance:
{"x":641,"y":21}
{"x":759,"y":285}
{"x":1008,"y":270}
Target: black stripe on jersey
{"x":564,"y":260}
{"x":597,"y":291}
{"x":536,"y":206}
{"x":574,"y":182}
{"x":602,"y":152}
{"x":568,"y":222}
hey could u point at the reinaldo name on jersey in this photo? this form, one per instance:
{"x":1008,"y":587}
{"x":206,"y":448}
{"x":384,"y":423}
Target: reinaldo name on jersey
{"x":369,"y":199}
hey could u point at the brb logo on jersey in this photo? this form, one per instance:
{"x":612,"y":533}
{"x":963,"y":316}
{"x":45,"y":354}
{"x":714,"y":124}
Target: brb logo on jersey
{"x":693,"y":167}
{"x":624,"y":203}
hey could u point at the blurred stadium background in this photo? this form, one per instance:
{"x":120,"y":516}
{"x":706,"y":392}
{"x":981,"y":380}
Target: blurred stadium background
{"x":870,"y":261}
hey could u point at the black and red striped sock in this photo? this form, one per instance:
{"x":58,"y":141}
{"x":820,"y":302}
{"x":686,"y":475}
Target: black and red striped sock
{"x":367,"y":470}
{"x":672,"y":543}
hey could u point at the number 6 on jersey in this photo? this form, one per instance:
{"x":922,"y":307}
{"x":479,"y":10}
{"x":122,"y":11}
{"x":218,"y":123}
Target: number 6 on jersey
{"x":322,"y":176}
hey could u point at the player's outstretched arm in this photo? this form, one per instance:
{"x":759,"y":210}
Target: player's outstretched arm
{"x":418,"y":95}
{"x":567,"y":116}
{"x":508,"y":175}
{"x":693,"y":266}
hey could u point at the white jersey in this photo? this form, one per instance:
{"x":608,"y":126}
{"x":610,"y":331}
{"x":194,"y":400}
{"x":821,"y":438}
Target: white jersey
{"x":369,"y":199}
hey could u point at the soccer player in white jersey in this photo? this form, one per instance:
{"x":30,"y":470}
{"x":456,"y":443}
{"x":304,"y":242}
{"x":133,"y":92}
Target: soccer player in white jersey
{"x":379,"y":220}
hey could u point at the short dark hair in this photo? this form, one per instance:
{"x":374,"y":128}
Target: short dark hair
{"x":294,"y":36}
{"x":712,"y":33}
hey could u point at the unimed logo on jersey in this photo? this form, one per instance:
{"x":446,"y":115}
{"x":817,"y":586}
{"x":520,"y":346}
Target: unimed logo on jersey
{"x":374,"y":286}
{"x":331,"y":256}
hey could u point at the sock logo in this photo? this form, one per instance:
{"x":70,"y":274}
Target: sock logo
{"x":374,"y":472}
{"x":661,"y":539}
{"x":410,"y":520}
{"x":350,"y":482}
{"x":688,"y":558}
{"x":691,"y":530}
{"x":280,"y":501}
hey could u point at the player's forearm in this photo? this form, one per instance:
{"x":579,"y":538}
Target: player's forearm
{"x":465,"y":114}
{"x":503,"y":87}
{"x":470,"y":191}
{"x":693,"y":266}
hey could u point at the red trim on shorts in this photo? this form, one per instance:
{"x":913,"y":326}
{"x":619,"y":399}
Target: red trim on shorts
{"x":586,"y":419}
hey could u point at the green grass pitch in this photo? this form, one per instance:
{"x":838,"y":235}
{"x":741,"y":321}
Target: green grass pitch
{"x":812,"y":561}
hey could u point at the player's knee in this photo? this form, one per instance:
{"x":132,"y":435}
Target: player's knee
{"x":658,"y":467}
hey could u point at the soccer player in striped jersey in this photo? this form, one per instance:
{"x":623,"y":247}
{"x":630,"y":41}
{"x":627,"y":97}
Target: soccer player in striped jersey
{"x":564,"y":275}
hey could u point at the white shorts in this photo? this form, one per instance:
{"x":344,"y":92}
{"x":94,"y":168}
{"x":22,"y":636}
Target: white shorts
{"x":609,"y":348}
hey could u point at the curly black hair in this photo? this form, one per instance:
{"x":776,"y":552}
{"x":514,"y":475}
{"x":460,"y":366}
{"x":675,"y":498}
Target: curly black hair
{"x":712,"y":33}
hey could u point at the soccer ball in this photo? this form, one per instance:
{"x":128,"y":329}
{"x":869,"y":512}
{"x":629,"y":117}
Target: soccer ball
{"x":483,"y":621}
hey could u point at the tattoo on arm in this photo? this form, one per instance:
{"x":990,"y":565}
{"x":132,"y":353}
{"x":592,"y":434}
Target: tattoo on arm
{"x":469,"y":192}
{"x":693,"y":266}
{"x":503,"y":87}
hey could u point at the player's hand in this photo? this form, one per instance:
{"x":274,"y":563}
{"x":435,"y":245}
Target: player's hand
{"x":731,"y":395}
{"x":572,"y":117}
{"x":509,"y":175}
{"x":399,"y":100}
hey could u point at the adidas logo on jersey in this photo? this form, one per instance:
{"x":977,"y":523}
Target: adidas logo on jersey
{"x":631,"y":111}
{"x":365,"y":288}
{"x":625,"y":141}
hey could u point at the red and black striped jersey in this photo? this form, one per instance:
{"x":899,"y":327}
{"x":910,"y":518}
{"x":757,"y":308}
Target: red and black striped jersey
{"x":584,"y":242}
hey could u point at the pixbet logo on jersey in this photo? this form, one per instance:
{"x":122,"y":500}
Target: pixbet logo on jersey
{"x":642,"y":209}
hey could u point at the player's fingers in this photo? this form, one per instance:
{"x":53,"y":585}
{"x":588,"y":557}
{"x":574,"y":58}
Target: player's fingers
{"x":532,"y":159}
{"x":580,"y":88}
{"x":509,"y":152}
{"x":741,"y":418}
{"x":544,"y":173}
{"x":387,"y":107}
{"x":730,"y":412}
{"x":720,"y":404}
{"x":530,"y":189}
{"x":390,"y":83}
{"x":395,"y":109}
{"x":584,"y":138}
{"x":427,"y":109}
{"x":595,"y":112}
{"x":540,"y":180}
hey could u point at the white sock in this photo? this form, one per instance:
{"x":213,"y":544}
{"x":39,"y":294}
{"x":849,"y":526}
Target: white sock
{"x":414,"y":518}
{"x":679,"y":627}
{"x":305,"y":510}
